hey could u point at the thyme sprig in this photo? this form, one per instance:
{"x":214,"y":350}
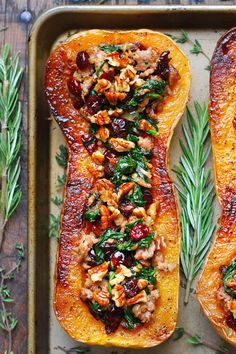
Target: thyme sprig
{"x":196,"y":193}
{"x":196,"y":340}
{"x":10,"y":138}
{"x":8,"y":320}
{"x":196,"y":45}
{"x":75,"y":350}
{"x":61,"y":159}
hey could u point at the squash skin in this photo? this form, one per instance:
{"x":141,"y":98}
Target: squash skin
{"x":70,"y":310}
{"x":222,"y":110}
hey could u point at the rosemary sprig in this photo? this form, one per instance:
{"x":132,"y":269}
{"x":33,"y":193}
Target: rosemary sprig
{"x":196,"y":45}
{"x":196,"y":194}
{"x":8,"y":321}
{"x":195,"y":339}
{"x":10,"y":138}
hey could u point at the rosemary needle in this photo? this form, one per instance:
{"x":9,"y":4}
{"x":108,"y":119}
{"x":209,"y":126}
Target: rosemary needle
{"x":10,"y":138}
{"x":196,"y":194}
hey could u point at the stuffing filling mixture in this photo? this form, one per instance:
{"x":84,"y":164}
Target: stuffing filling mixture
{"x":120,"y":90}
{"x":227,"y":293}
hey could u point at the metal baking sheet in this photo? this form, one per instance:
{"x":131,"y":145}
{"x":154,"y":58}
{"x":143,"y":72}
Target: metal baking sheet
{"x":205,"y":24}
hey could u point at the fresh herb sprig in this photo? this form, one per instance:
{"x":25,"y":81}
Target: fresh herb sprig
{"x":75,"y":350}
{"x":196,"y":46}
{"x":62,"y":159}
{"x":10,"y":137}
{"x":196,"y":340}
{"x":196,"y":194}
{"x":8,"y":320}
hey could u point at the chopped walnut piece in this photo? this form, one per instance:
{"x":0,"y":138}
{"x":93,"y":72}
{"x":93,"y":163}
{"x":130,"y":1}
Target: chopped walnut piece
{"x":113,"y":97}
{"x":102,"y":85}
{"x":118,"y":295}
{"x":120,"y":144}
{"x":140,"y":297}
{"x":103,"y":134}
{"x":97,"y":273}
{"x":101,"y":297}
{"x":100,"y":118}
{"x":166,"y":266}
{"x":98,"y":157}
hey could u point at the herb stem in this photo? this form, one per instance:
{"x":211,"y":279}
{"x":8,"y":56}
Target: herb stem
{"x":3,"y":167}
{"x":209,"y":345}
{"x":189,"y":280}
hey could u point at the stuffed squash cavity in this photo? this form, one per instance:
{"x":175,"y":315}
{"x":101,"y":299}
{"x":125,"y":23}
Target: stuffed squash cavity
{"x":117,"y":97}
{"x":217,"y":284}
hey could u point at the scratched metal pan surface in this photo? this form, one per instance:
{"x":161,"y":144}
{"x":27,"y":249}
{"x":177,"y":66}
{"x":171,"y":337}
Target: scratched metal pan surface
{"x":203,"y":24}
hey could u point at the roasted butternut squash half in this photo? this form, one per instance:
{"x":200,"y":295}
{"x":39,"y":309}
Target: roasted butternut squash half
{"x":117,"y":97}
{"x":216,"y":289}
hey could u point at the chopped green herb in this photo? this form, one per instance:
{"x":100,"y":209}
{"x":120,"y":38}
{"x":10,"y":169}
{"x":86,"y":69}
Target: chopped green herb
{"x":230,"y":273}
{"x":99,"y":68}
{"x":130,"y":321}
{"x":137,"y":196}
{"x":111,"y":48}
{"x":92,"y":215}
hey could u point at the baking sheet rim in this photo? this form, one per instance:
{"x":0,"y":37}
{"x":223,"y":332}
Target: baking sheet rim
{"x":139,"y":9}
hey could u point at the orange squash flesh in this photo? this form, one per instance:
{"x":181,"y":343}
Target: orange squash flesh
{"x":71,"y":312}
{"x":222,"y":110}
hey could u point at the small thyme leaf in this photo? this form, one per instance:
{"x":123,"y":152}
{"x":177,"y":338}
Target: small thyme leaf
{"x":61,"y":180}
{"x":57,"y":201}
{"x":75,"y":350}
{"x":194,"y":340}
{"x":54,"y":226}
{"x":208,"y":67}
{"x":197,"y":48}
{"x":183,"y":38}
{"x":62,"y":156}
{"x":8,"y":320}
{"x":196,"y":193}
{"x":179,"y":332}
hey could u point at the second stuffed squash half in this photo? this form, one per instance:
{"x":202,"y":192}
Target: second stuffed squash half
{"x":117,"y":96}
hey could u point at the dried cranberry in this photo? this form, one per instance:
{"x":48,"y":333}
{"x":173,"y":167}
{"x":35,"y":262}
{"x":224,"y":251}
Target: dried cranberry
{"x":138,"y":232}
{"x":147,"y":196}
{"x":110,"y":162}
{"x":109,"y":75}
{"x":108,"y":249}
{"x":74,"y":86}
{"x":126,"y":207}
{"x":92,"y":258}
{"x":222,"y":270}
{"x":110,"y":154}
{"x":92,"y":147}
{"x":231,"y":322}
{"x":78,"y":103}
{"x":163,"y":65}
{"x":94,"y":104}
{"x":113,"y":318}
{"x":124,"y":258}
{"x":138,"y":45}
{"x":131,"y":287}
{"x":119,"y":127}
{"x":82,"y":60}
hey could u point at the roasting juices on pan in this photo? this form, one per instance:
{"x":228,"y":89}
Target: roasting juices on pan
{"x":217,"y":284}
{"x":117,"y":97}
